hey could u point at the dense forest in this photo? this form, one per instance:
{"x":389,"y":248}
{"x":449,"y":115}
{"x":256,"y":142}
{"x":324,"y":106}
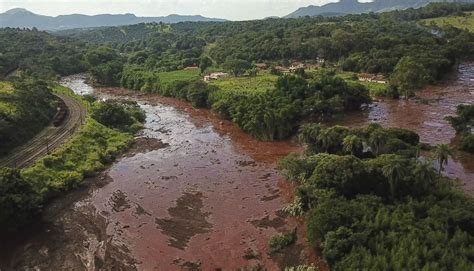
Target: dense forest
{"x":371,"y":203}
{"x":39,"y":53}
{"x":372,"y":43}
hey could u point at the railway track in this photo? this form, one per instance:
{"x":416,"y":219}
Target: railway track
{"x":49,"y":139}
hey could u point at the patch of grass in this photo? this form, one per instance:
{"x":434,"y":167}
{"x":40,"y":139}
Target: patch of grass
{"x":181,"y":75}
{"x":462,"y":22}
{"x":6,"y":88}
{"x":278,"y":242}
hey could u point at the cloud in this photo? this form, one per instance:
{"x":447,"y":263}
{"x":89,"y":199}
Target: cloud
{"x":229,"y":9}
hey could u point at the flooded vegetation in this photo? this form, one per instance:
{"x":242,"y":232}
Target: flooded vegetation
{"x":194,"y":191}
{"x":425,"y":114}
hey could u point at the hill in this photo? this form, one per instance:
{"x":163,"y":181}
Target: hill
{"x":355,"y":7}
{"x":23,"y":18}
{"x":465,"y":21}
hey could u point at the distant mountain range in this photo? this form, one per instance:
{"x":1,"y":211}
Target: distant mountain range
{"x":354,"y":7}
{"x":19,"y":17}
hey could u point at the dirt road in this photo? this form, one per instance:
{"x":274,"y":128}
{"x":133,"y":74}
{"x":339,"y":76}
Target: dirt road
{"x":49,"y":139}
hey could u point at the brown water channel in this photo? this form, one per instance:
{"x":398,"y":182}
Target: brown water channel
{"x":194,"y":192}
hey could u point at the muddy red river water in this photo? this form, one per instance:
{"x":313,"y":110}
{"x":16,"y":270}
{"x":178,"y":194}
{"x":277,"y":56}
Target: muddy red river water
{"x":195,"y":193}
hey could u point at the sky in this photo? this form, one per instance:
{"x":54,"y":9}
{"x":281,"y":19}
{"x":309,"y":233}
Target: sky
{"x":227,"y":9}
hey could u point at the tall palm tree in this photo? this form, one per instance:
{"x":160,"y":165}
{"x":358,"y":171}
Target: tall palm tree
{"x":377,"y":140}
{"x":395,"y":171}
{"x":424,"y":172}
{"x":442,"y":153}
{"x":325,"y":139}
{"x":352,"y":144}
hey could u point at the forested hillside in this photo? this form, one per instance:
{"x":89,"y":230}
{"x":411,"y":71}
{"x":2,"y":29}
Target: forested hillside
{"x":39,"y":53}
{"x":372,"y":43}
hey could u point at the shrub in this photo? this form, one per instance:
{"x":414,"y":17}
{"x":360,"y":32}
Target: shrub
{"x":280,"y":241}
{"x":467,"y":143}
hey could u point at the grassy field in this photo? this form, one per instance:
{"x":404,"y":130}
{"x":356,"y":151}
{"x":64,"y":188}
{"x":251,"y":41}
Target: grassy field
{"x":181,"y":75}
{"x":462,"y":22}
{"x":263,"y":82}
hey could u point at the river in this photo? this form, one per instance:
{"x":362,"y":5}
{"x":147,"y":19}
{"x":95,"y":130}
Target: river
{"x":193,"y":192}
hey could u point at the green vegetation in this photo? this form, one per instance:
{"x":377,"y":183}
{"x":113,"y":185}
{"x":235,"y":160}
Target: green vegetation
{"x":375,"y":89}
{"x":391,"y":211}
{"x":464,"y":21}
{"x":372,"y":43}
{"x":26,"y":106}
{"x":105,"y":65}
{"x":151,"y":58}
{"x":125,"y":116}
{"x":164,"y":83}
{"x":266,"y":106}
{"x":463,"y":123}
{"x":279,"y":242}
{"x":271,"y":115}
{"x":39,"y":53}
{"x":261,"y":83}
{"x":23,"y":193}
{"x":371,"y":141}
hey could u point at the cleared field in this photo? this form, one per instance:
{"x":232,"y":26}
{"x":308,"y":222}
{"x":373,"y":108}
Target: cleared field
{"x":462,"y":22}
{"x":262,"y":82}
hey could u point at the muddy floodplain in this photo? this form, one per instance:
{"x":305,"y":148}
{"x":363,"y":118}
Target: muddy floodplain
{"x":192,"y":193}
{"x":195,"y":193}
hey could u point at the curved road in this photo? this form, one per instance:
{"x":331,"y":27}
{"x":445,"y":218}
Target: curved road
{"x":49,"y":139}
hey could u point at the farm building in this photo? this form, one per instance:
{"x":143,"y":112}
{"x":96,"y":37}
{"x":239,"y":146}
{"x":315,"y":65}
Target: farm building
{"x":215,"y":76}
{"x":367,"y":77}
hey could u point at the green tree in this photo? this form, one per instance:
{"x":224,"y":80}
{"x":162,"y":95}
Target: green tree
{"x":352,"y":144}
{"x":377,"y":140}
{"x":442,"y":153}
{"x":205,"y":63}
{"x":237,"y":66}
{"x":395,"y":171}
{"x":409,"y":75}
